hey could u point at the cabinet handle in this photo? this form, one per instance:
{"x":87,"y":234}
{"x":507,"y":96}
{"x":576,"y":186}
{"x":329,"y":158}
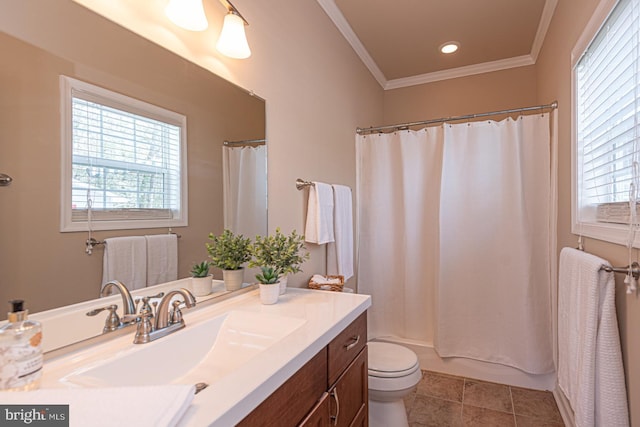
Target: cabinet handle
{"x":334,"y":394}
{"x":355,"y":339}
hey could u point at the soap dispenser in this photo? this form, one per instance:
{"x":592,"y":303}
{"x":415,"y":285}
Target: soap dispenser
{"x":20,"y":351}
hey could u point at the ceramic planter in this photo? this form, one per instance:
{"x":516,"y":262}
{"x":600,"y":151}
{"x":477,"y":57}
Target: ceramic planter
{"x":201,"y":285}
{"x":233,"y":279}
{"x":283,"y":284}
{"x":269,"y":293}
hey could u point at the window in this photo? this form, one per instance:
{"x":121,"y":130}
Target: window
{"x":123,"y":161}
{"x":606,"y":92}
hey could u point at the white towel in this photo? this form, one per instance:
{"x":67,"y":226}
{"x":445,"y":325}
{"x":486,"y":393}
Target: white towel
{"x":590,"y":370}
{"x":125,"y":259}
{"x":162,"y":258}
{"x":324,"y":280}
{"x":319,"y":226}
{"x":151,"y":406}
{"x":340,"y":253}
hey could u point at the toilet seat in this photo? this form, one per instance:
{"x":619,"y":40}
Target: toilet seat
{"x":391,"y":360}
{"x":394,"y":371}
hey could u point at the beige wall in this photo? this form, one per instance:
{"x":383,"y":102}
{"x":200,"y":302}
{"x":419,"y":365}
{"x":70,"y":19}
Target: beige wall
{"x":316,"y":88}
{"x":39,"y":263}
{"x":554,"y":81}
{"x":494,"y":91}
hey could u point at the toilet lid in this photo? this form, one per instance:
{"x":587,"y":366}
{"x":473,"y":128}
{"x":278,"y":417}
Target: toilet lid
{"x":391,"y":360}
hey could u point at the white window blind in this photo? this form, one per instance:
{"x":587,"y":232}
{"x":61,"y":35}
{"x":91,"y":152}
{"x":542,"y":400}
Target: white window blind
{"x":126,"y":161}
{"x":606,"y":79}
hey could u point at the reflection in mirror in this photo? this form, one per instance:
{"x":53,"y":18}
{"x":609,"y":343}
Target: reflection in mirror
{"x":245,"y":190}
{"x":245,"y":187}
{"x":38,"y":262}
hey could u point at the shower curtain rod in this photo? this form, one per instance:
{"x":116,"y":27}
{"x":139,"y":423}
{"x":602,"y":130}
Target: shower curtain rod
{"x":403,"y":126}
{"x":246,"y":142}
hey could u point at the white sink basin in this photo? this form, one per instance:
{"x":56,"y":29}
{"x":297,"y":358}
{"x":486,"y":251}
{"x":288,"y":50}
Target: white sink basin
{"x":203,"y":351}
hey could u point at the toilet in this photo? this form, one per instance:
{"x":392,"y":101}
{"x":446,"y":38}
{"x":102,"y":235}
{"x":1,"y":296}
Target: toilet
{"x":394,"y":372}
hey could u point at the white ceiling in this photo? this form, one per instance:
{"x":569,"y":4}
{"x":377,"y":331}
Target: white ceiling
{"x":398,"y":41}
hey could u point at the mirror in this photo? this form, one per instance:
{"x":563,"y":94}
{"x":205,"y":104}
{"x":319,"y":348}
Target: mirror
{"x":38,"y":263}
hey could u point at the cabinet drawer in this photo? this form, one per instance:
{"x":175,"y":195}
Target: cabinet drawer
{"x":346,"y":346}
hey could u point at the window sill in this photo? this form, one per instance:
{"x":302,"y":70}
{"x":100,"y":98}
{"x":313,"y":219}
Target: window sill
{"x":608,"y":232}
{"x":122,"y":225}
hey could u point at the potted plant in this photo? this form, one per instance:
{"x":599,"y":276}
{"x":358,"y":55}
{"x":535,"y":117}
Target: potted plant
{"x":269,"y":285}
{"x":288,"y":256}
{"x":228,"y":252}
{"x":201,"y":281}
{"x":278,"y":253}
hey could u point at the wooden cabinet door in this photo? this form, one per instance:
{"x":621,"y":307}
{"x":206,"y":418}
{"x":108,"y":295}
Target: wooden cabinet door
{"x":319,"y":416}
{"x":349,"y":396}
{"x":289,"y":404}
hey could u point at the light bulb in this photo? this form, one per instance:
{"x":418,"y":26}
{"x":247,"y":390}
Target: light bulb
{"x":233,"y":40}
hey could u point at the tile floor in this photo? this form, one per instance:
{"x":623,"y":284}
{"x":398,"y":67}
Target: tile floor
{"x":442,"y":400}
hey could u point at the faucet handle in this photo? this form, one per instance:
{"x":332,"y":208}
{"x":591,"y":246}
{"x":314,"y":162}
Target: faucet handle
{"x":112,"y":321}
{"x":143,"y":332}
{"x":158,"y":295}
{"x":175,"y":316}
{"x":145,"y":302}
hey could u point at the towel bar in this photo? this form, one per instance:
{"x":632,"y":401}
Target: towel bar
{"x":92,"y":242}
{"x":635,"y":269}
{"x":301,"y":183}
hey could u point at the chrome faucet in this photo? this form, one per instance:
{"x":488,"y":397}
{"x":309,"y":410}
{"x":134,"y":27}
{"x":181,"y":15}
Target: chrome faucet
{"x":127,"y":302}
{"x":168,"y":317}
{"x":162,"y":313}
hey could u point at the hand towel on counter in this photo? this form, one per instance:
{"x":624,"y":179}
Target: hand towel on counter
{"x":125,"y":259}
{"x":152,"y":406}
{"x":319,"y":225}
{"x":340,"y":253}
{"x":323,"y":280}
{"x":162,"y":258}
{"x":590,"y":370}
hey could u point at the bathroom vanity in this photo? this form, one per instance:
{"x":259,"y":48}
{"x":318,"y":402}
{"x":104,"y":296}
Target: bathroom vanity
{"x":330,"y":389}
{"x":299,"y":362}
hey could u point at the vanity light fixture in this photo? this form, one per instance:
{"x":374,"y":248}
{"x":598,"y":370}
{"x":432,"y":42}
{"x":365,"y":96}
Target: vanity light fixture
{"x":449,"y":47}
{"x":187,"y":14}
{"x":233,"y":40}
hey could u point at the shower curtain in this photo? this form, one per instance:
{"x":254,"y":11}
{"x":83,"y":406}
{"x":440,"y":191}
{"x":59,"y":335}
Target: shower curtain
{"x":454,"y":241}
{"x":245,"y":189}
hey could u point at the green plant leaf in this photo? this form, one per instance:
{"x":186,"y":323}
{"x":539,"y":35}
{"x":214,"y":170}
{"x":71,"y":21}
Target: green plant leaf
{"x":278,"y":251}
{"x":228,"y":251}
{"x":200,"y":269}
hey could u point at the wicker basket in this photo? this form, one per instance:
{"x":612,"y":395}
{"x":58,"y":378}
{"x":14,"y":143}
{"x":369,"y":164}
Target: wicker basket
{"x":337,"y":287}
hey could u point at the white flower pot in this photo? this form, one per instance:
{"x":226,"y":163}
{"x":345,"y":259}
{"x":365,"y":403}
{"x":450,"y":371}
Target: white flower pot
{"x":269,"y":293}
{"x":201,"y":285}
{"x":283,"y":284}
{"x":233,"y":279}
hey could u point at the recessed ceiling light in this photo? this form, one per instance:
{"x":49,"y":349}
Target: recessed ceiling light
{"x":449,"y":47}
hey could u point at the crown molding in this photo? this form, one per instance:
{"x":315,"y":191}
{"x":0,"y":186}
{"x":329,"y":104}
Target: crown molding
{"x":339,"y":20}
{"x":454,"y":73}
{"x":334,"y":13}
{"x":543,"y":27}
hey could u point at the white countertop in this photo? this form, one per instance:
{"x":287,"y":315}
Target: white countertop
{"x":320,"y":316}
